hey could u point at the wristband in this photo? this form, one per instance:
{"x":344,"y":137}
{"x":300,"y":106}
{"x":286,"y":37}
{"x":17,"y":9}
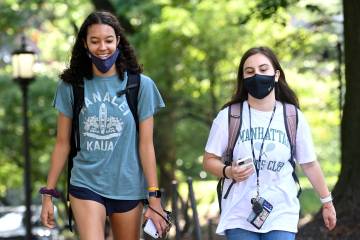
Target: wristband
{"x":152,"y":189}
{"x":51,"y":192}
{"x":156,"y":194}
{"x":326,"y":199}
{"x":224,"y":174}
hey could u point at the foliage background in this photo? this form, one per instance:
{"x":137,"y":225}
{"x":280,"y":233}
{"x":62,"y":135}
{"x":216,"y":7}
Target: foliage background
{"x":192,"y":50}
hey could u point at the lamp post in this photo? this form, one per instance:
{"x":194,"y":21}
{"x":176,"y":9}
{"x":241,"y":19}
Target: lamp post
{"x":23,"y":74}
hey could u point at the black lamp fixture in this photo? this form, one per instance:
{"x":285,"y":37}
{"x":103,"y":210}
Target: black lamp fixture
{"x":23,"y":73}
{"x":23,"y":62}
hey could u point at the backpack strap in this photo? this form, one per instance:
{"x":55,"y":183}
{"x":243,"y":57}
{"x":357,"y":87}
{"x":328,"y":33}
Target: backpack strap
{"x":291,"y":123}
{"x":234,"y":126}
{"x":131,"y":92}
{"x":78,"y":96}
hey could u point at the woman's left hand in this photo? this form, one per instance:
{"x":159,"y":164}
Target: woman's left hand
{"x":161,"y":225}
{"x":329,"y":215}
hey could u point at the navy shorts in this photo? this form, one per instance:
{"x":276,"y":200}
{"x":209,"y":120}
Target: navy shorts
{"x":111,"y":205}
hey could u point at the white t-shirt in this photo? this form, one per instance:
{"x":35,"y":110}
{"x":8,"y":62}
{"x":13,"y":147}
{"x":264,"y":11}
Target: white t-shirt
{"x":277,"y":185}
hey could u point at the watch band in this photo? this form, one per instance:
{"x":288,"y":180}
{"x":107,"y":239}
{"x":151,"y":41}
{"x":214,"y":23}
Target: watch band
{"x":156,"y":194}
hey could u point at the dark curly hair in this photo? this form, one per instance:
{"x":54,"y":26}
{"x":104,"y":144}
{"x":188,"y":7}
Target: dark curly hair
{"x":80,"y":63}
{"x":283,"y":92}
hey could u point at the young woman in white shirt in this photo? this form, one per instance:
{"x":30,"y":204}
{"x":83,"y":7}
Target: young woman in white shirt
{"x":268,"y":184}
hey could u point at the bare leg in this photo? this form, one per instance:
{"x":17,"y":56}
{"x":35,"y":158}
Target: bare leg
{"x":89,"y":218}
{"x":126,"y":226}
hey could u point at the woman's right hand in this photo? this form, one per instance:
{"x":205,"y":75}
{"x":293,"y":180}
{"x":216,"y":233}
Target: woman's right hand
{"x":47,"y":212}
{"x":240,"y":173}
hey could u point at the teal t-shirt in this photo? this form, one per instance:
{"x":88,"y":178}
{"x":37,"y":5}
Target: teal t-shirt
{"x":108,"y":162}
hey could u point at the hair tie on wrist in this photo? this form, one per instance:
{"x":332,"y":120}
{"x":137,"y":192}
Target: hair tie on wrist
{"x":51,"y":192}
{"x":224,"y":174}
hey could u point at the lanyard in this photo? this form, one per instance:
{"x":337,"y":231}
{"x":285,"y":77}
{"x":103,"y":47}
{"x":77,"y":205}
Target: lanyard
{"x":261,"y":148}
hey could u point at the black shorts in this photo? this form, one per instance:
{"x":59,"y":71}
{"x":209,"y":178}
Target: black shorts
{"x":111,"y":205}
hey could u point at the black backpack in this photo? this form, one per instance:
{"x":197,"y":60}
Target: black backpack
{"x":234,"y":127}
{"x":131,"y":92}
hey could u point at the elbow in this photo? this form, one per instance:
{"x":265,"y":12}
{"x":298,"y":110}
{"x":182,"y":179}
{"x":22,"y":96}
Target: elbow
{"x":62,"y":146}
{"x":145,"y":148}
{"x":205,"y":163}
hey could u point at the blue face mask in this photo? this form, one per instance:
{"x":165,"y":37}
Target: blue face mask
{"x":103,"y":65}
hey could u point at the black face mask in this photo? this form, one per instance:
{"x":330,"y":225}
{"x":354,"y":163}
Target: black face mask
{"x":259,"y":86}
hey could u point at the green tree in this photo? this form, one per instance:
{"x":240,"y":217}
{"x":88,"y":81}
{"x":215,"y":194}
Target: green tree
{"x":42,"y":125}
{"x":346,"y":192}
{"x":191,"y":49}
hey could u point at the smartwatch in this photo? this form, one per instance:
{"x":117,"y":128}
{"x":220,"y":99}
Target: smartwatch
{"x":156,"y":194}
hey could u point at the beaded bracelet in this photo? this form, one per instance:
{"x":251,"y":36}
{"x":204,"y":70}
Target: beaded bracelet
{"x":51,"y":192}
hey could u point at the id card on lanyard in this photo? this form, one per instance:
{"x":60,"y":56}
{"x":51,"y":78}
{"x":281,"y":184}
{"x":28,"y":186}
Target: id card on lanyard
{"x":261,"y":208}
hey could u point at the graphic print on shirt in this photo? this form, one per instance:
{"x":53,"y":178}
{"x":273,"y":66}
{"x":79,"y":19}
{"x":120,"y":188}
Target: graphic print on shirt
{"x":103,"y":129}
{"x":274,"y":135}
